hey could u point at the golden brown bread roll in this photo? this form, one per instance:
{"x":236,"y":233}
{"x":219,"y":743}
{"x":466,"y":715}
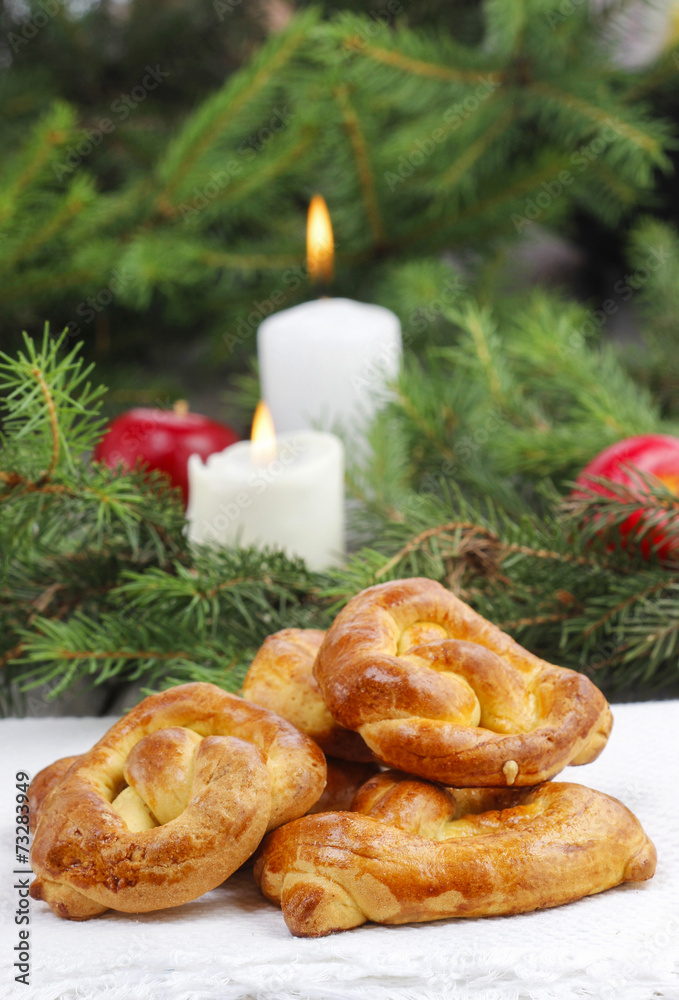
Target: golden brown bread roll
{"x":281,"y":679}
{"x":170,"y":802}
{"x":436,"y":690}
{"x":345,"y":777}
{"x":419,"y":851}
{"x":43,"y":783}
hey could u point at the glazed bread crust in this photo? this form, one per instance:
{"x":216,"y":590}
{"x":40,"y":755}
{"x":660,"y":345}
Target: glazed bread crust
{"x":438,"y":691}
{"x":43,"y":783}
{"x":281,"y":679}
{"x":419,"y":852}
{"x":175,"y":797}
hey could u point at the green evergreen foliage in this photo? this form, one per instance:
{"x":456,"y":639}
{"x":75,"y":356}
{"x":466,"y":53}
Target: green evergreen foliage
{"x":420,"y":140}
{"x":439,"y":137}
{"x":526,"y":395}
{"x":656,"y":361}
{"x":68,"y":529}
{"x":99,"y":583}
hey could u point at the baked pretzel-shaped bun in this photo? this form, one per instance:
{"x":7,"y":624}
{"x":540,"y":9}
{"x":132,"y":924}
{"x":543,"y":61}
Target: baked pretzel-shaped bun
{"x":345,"y":777}
{"x":42,"y":784}
{"x":422,"y":852}
{"x":281,"y":678}
{"x":175,"y":797}
{"x":436,"y":690}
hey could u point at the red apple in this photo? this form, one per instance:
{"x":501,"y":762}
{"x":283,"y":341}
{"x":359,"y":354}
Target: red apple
{"x":163,"y":440}
{"x":652,"y":454}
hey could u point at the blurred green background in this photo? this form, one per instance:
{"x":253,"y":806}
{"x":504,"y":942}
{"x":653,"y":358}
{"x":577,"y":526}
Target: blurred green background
{"x":120,"y":119}
{"x":500,"y":174}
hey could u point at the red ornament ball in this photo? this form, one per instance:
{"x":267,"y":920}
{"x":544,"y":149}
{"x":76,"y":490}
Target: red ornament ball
{"x":163,"y":440}
{"x":652,"y":454}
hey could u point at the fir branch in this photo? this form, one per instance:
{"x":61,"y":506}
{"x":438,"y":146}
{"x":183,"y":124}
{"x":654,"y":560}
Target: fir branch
{"x":39,"y":282}
{"x":524,"y":184}
{"x":365,"y":172}
{"x":625,"y":192}
{"x":205,"y":619}
{"x":429,"y":427}
{"x":79,"y":194}
{"x":59,"y":652}
{"x":479,"y":326}
{"x":476,"y":149}
{"x":601,"y":116}
{"x":517,"y":624}
{"x":249,"y":262}
{"x":462,"y":533}
{"x":54,"y":423}
{"x":417,"y":67}
{"x":205,"y":127}
{"x":287,"y":155}
{"x":623,"y":605}
{"x":644,"y":508}
{"x":654,"y":258}
{"x":47,"y":400}
{"x":396,"y":90}
{"x":52,"y":131}
{"x":502,"y":198}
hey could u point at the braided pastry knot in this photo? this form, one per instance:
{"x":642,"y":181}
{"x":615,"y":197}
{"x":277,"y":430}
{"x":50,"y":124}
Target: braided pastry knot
{"x":414,"y":851}
{"x":281,"y":678}
{"x":175,"y":797}
{"x":436,"y":690}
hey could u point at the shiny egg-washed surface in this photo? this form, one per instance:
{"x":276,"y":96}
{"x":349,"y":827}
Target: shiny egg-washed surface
{"x":413,"y":851}
{"x":435,"y":689}
{"x":172,"y":799}
{"x":281,"y":678}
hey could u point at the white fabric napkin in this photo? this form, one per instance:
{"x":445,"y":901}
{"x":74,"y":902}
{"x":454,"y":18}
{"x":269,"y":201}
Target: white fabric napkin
{"x":232,"y":944}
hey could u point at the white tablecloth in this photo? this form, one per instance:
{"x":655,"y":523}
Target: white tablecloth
{"x":231,"y":944}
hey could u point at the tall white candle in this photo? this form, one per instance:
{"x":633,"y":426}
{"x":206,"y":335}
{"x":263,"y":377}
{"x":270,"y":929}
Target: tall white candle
{"x":327,"y":362}
{"x":294,"y":501}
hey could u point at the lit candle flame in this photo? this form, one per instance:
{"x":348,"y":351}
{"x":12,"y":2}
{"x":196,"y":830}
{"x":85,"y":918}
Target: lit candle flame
{"x":320,"y":246}
{"x":263,"y":436}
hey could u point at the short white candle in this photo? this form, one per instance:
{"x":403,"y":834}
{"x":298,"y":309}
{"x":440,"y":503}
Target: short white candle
{"x":294,"y":501}
{"x":327,"y":363}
